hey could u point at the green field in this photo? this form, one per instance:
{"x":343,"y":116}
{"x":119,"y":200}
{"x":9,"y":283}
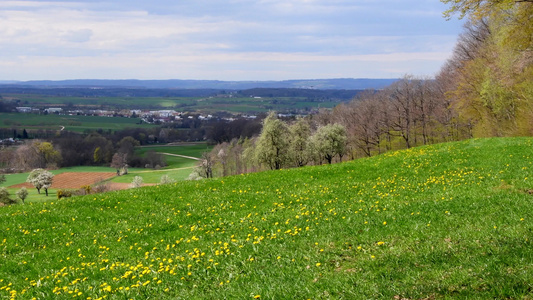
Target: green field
{"x":449,"y":221}
{"x":98,"y":102}
{"x":75,"y":123}
{"x":178,"y":169}
{"x":186,"y":104}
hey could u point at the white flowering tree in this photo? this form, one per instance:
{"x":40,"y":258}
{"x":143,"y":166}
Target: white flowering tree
{"x":41,"y":179}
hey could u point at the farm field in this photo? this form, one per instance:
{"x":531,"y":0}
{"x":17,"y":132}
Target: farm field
{"x":185,"y":104}
{"x":98,"y":102}
{"x":438,"y":222}
{"x":178,"y":169}
{"x":30,"y":122}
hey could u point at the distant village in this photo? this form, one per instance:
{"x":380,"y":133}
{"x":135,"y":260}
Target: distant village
{"x":147,"y":116}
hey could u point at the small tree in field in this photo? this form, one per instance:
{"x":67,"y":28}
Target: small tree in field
{"x":2,"y":179}
{"x":137,"y":182}
{"x":41,"y":179}
{"x":22,"y":194}
{"x":119,"y":162}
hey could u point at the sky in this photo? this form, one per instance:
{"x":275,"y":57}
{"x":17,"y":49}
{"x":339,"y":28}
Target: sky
{"x":223,"y":39}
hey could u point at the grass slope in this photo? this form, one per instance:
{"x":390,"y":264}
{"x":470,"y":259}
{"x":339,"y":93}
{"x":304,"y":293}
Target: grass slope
{"x":445,"y":221}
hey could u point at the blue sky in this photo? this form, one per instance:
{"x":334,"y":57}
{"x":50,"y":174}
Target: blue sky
{"x":223,"y":40}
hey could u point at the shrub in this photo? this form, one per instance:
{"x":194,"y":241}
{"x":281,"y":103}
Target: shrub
{"x":64,"y":194}
{"x":4,"y":197}
{"x":165,"y":179}
{"x":195,"y":175}
{"x":101,"y":187}
{"x":137,"y":182}
{"x":85,"y":190}
{"x":22,"y":194}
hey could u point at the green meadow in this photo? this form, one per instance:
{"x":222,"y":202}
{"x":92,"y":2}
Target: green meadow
{"x":178,"y":168}
{"x":448,"y":221}
{"x":74,"y":123}
{"x":188,"y":104}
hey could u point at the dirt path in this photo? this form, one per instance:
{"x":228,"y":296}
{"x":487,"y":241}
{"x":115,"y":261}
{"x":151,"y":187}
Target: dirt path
{"x":179,"y":155}
{"x":163,"y":170}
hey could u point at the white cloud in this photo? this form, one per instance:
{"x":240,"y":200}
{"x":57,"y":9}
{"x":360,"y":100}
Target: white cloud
{"x":267,"y":39}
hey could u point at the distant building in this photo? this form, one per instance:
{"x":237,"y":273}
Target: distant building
{"x":53,"y":110}
{"x":23,"y":109}
{"x":163,"y":113}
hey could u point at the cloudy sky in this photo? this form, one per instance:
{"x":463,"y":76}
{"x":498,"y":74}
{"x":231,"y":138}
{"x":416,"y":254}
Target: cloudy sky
{"x":223,"y":39}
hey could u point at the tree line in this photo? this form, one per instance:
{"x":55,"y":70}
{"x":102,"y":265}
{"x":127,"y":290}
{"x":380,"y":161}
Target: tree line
{"x":280,"y":144}
{"x":91,"y":150}
{"x":64,"y":149}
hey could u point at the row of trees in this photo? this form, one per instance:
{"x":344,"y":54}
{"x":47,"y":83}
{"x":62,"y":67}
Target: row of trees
{"x":411,"y":112}
{"x":75,"y":150}
{"x":280,"y":144}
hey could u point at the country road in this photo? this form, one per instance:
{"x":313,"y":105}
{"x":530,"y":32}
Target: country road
{"x":171,"y":154}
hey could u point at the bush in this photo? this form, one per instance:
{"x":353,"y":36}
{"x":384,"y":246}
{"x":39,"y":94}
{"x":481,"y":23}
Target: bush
{"x":101,"y":187}
{"x":195,"y":175}
{"x":137,"y":182}
{"x":22,"y":194}
{"x":165,"y":179}
{"x":85,"y":190}
{"x":64,"y":194}
{"x":4,"y":197}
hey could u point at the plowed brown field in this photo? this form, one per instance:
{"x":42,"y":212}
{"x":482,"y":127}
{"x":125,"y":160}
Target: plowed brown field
{"x":73,"y":180}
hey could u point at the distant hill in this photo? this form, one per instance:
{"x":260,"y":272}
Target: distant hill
{"x":320,"y":84}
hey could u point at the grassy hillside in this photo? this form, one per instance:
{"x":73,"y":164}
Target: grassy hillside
{"x":445,"y":221}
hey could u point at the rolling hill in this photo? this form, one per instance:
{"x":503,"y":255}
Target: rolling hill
{"x":451,"y":220}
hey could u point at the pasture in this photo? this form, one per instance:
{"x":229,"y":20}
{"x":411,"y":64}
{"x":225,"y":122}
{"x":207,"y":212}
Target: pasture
{"x":438,"y":222}
{"x":74,"y":123}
